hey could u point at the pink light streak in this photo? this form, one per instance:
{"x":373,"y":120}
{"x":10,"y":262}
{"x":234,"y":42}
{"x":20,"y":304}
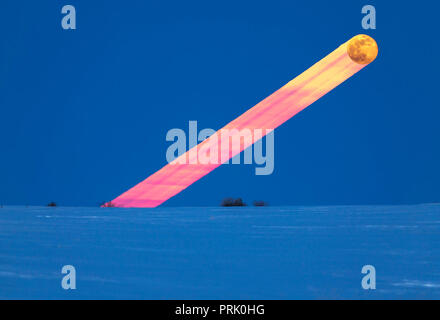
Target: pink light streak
{"x":264,"y":117}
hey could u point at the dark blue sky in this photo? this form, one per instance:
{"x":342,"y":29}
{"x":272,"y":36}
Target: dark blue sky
{"x":84,"y":113}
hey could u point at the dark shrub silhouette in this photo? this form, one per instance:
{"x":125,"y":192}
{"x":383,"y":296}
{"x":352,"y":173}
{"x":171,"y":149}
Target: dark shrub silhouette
{"x":52,"y":204}
{"x":229,"y":202}
{"x":108,"y":205}
{"x":260,"y":203}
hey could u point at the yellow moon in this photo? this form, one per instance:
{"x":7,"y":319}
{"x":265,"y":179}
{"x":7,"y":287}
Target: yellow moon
{"x":362,"y":49}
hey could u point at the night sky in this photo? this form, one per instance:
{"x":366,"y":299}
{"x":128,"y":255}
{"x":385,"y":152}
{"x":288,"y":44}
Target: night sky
{"x":84,"y":113}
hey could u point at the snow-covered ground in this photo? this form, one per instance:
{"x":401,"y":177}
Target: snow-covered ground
{"x":220,"y":253}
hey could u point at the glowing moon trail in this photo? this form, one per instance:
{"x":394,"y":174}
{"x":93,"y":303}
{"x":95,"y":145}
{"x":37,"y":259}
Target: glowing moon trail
{"x":267,"y":115}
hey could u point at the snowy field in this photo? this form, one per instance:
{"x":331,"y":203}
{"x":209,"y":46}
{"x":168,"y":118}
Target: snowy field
{"x":221,"y":253}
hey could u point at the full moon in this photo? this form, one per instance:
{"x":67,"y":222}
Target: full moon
{"x":362,"y":49}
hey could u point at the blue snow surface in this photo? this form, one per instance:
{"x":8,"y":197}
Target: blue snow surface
{"x":221,"y":253}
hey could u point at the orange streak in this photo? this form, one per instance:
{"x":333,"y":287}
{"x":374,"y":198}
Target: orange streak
{"x":270,"y":113}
